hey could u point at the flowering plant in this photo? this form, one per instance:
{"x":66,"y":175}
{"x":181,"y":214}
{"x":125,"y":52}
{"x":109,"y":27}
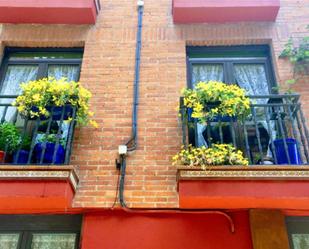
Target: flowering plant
{"x":218,"y":154}
{"x":230,"y":100}
{"x":38,"y":95}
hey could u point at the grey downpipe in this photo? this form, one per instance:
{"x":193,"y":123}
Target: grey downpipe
{"x":132,"y":142}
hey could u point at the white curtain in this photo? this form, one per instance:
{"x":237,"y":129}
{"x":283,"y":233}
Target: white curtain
{"x":205,"y":73}
{"x":300,"y":241}
{"x":15,"y":75}
{"x":53,"y":241}
{"x":9,"y":241}
{"x":70,"y":72}
{"x":252,"y":77}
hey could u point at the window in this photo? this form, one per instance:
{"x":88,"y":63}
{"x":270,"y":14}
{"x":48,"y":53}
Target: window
{"x":250,"y":68}
{"x":298,"y":231}
{"x":40,"y":232}
{"x":23,"y":65}
{"x":247,"y":66}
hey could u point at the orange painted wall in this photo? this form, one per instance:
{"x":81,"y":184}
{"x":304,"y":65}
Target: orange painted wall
{"x":120,"y":230}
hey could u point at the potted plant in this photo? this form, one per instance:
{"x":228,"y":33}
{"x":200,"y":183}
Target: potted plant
{"x":217,"y":154}
{"x":42,"y":97}
{"x":215,"y":101}
{"x":46,"y":147}
{"x":9,"y":140}
{"x":21,"y":155}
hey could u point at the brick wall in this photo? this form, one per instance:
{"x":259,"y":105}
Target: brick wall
{"x":108,"y":71}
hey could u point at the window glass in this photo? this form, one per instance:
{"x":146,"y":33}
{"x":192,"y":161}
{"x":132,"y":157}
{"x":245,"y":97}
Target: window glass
{"x":206,"y":73}
{"x":70,"y":72}
{"x":300,"y":241}
{"x":252,"y":77}
{"x":52,"y":241}
{"x":9,"y":241}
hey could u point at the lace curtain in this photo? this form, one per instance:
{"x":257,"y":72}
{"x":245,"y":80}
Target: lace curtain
{"x":15,"y":75}
{"x":205,"y":73}
{"x":300,"y":241}
{"x":252,"y":77}
{"x":70,"y":72}
{"x":9,"y":241}
{"x":53,"y":241}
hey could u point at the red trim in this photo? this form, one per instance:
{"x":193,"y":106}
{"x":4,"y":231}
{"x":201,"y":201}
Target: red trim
{"x":233,"y":194}
{"x":48,"y":11}
{"x":203,"y":11}
{"x":27,"y":196}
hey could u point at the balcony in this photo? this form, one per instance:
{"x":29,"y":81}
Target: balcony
{"x":213,"y":11}
{"x":274,"y":138}
{"x":49,"y":11}
{"x":39,"y":141}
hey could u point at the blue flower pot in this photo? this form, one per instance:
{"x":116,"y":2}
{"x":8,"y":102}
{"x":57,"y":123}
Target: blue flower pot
{"x":293,"y":151}
{"x":49,"y":153}
{"x":21,"y":157}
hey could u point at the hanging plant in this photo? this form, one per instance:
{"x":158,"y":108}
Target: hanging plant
{"x":39,"y":96}
{"x":212,"y":99}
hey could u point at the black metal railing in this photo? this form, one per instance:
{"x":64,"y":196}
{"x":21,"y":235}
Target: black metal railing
{"x":35,"y":141}
{"x":275,"y":132}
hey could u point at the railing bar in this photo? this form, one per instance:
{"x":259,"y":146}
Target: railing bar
{"x":33,"y":142}
{"x":14,"y":120}
{"x":258,"y":135}
{"x":273,"y":104}
{"x":247,"y":143}
{"x":274,"y":96}
{"x":220,"y":131}
{"x":270,"y":135}
{"x":302,"y":137}
{"x":58,"y":135}
{"x":296,"y":135}
{"x":22,"y":140}
{"x":4,"y":113}
{"x":286,"y":149}
{"x":44,"y":144}
{"x":208,"y":130}
{"x":304,"y":125}
{"x":232,"y":130}
{"x":68,"y":150}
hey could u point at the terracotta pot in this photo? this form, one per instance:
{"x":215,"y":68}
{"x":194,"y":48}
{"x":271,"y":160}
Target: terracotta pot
{"x":2,"y":156}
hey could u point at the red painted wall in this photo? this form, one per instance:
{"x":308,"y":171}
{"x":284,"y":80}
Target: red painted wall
{"x":120,"y":230}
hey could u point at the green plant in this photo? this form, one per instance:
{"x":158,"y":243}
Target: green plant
{"x":9,"y":137}
{"x":25,"y":142}
{"x":231,"y":100}
{"x":298,"y":56}
{"x":37,"y":95}
{"x":51,"y":138}
{"x":218,"y":154}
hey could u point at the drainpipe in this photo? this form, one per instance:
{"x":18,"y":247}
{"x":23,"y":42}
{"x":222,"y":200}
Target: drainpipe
{"x":131,"y":144}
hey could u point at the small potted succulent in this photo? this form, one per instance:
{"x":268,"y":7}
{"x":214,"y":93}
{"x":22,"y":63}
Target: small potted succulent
{"x":216,"y":155}
{"x":57,"y":98}
{"x":9,"y":140}
{"x":215,"y":101}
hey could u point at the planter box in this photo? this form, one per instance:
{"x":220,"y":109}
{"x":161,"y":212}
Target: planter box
{"x":215,"y":11}
{"x":230,"y":187}
{"x":49,"y":11}
{"x":21,"y":189}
